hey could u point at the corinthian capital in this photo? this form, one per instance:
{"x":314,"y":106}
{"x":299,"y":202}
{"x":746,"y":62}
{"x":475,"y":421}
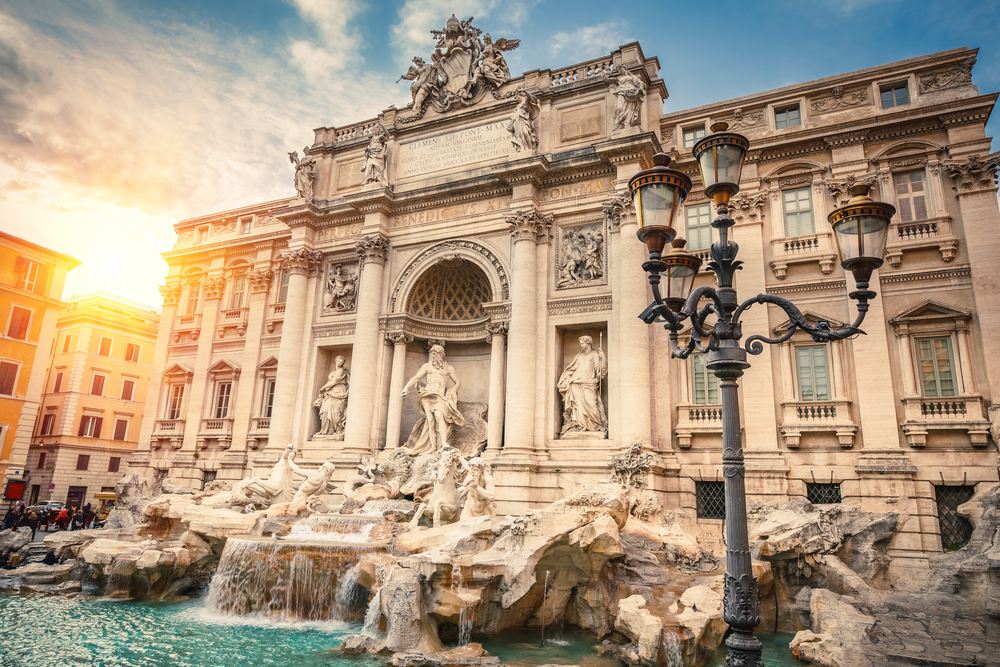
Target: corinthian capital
{"x":301,"y":260}
{"x":260,"y":280}
{"x":399,"y":338}
{"x":214,"y":287}
{"x":171,"y":292}
{"x":975,"y":174}
{"x":618,"y":210}
{"x":528,"y":225}
{"x":372,"y":249}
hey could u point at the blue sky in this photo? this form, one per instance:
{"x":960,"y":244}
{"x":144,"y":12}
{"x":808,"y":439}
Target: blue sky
{"x":118,"y":118}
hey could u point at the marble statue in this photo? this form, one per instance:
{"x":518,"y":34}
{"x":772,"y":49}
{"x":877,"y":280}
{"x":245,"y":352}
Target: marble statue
{"x":580,"y":387}
{"x":479,"y":490}
{"x":341,"y":286}
{"x":521,"y":124}
{"x":425,"y":80}
{"x":582,"y":256}
{"x":437,"y":402}
{"x":332,"y":400}
{"x":492,"y":66}
{"x":375,"y":155}
{"x":630,"y":92}
{"x":305,"y":173}
{"x":445,"y":503}
{"x":315,"y":484}
{"x":279,"y":487}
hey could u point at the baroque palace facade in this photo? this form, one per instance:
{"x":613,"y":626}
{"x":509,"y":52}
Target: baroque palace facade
{"x":488,"y":217}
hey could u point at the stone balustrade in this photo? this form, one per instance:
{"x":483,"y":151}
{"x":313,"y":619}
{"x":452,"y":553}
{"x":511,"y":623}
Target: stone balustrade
{"x":588,"y":70}
{"x":697,"y":419}
{"x":931,"y":233}
{"x":957,"y":413}
{"x":800,"y":417}
{"x":810,"y":248}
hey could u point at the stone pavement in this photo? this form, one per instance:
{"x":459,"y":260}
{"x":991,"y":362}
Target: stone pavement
{"x":937,"y":637}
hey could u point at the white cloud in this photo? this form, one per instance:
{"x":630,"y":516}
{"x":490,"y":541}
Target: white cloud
{"x":589,"y":41}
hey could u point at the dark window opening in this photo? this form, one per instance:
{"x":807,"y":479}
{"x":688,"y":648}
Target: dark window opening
{"x":711,"y":499}
{"x":956,"y":531}
{"x":823,"y":494}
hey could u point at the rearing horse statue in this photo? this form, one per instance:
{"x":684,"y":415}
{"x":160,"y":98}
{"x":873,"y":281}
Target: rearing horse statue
{"x":445,"y":503}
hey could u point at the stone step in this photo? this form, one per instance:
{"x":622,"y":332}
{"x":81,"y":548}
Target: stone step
{"x":36,"y":552}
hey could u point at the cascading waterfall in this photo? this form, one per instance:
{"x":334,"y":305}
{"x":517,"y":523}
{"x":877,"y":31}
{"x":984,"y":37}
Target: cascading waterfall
{"x":545,"y":592}
{"x":672,"y":649}
{"x":465,"y":612}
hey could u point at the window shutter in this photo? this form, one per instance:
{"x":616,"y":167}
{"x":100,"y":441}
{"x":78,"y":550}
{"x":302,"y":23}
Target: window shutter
{"x":8,"y":373}
{"x":83,"y":426}
{"x":43,"y":280}
{"x":97,"y":427}
{"x":19,"y":267}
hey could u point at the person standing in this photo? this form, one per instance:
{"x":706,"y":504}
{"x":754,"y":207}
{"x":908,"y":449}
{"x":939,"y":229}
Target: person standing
{"x":29,"y":520}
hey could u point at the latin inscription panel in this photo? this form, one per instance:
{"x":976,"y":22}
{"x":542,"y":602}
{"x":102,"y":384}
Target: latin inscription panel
{"x":455,"y":149}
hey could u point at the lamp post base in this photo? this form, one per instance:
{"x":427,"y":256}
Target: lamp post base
{"x":744,"y":650}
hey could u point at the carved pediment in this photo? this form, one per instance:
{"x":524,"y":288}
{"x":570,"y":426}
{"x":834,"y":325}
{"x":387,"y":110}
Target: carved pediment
{"x":930,"y":310}
{"x":223,"y":367}
{"x":178,"y":372}
{"x":268,"y":364}
{"x":813,"y":318}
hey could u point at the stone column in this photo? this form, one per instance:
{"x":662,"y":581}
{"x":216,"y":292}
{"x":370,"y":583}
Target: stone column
{"x":632,"y":295}
{"x":299,"y":264}
{"x":965,"y":360}
{"x":153,"y":410}
{"x":213,"y":288}
{"x":399,"y":342}
{"x":839,"y":384}
{"x":519,"y":422}
{"x":497,"y":338}
{"x":367,"y":346}
{"x":905,"y":348}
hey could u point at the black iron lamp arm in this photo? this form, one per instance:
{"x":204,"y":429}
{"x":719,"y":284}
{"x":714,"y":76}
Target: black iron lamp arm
{"x":821,"y":332}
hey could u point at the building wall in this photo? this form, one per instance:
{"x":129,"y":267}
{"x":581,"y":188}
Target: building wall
{"x":18,"y":410}
{"x":509,"y":219}
{"x":85,"y":322}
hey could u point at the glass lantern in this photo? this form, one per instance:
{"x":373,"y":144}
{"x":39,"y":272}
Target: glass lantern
{"x":861,"y":228}
{"x":657,"y":194}
{"x":720,"y":161}
{"x":682,"y":267}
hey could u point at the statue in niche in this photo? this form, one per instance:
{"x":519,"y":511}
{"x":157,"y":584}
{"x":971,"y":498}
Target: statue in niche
{"x":580,"y":387}
{"x":521,"y":124}
{"x":479,"y":490}
{"x":305,"y":173}
{"x":332,"y":401}
{"x":582,"y":256}
{"x":375,"y":155}
{"x":630,"y":92}
{"x":438,"y":405}
{"x":341,"y":288}
{"x":491,"y":65}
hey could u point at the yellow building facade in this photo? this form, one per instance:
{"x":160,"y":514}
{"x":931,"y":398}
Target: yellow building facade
{"x":94,"y":398}
{"x":31,"y":282}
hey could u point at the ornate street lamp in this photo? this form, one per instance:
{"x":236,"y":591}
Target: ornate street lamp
{"x":860,"y":228}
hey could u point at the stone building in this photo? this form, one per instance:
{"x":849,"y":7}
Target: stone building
{"x":488,"y":217}
{"x":31,"y":282}
{"x":94,"y":397}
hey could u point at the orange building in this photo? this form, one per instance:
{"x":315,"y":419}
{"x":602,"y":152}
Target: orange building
{"x":31,"y":282}
{"x":94,"y":398}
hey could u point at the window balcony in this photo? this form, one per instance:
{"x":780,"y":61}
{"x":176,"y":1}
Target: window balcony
{"x":220,"y":430}
{"x":931,"y":233}
{"x":190,"y":324}
{"x":798,"y":417}
{"x":697,"y":419}
{"x":818,"y":248}
{"x":948,"y":413}
{"x":261,"y":425}
{"x":168,"y":430}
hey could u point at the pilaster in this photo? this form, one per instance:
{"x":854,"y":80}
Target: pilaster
{"x":399,"y":342}
{"x":171,"y":293}
{"x":260,"y":283}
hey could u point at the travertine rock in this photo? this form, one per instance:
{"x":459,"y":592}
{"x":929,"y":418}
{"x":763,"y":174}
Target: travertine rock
{"x":13,"y":540}
{"x":644,"y":629}
{"x":836,"y":635}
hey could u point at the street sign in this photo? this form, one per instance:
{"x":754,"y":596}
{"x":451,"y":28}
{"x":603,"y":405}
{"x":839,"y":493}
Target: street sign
{"x":51,"y":486}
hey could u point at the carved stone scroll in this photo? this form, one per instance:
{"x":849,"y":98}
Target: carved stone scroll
{"x":840,"y":99}
{"x":961,"y":75}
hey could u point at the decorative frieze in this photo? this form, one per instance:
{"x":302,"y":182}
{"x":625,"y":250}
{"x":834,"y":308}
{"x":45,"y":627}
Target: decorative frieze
{"x":302,"y":261}
{"x":744,"y":120}
{"x":372,"y":249}
{"x":340,"y":287}
{"x":840,"y":99}
{"x":224,"y":226}
{"x":333,"y":330}
{"x":260,"y":280}
{"x":582,"y":305}
{"x":960,"y":75}
{"x":581,"y":256}
{"x":975,"y":174}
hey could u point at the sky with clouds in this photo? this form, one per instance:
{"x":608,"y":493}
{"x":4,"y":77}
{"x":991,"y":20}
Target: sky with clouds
{"x":120,"y":117}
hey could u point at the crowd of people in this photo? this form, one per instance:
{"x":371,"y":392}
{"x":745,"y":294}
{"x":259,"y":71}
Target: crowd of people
{"x":68,"y":518}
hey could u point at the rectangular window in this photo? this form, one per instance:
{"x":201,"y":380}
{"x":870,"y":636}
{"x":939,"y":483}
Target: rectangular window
{"x":692,"y":135}
{"x":8,"y":376}
{"x":127,"y":387}
{"x":798,"y":212}
{"x":105,"y":350}
{"x":90,"y":426}
{"x":937,"y":375}
{"x":711,"y":499}
{"x":222,"y":399}
{"x":823,"y":494}
{"x":894,"y":95}
{"x":114,"y":463}
{"x":698,"y":226}
{"x":97,"y":385}
{"x":705,"y":385}
{"x":283,"y":289}
{"x":83,"y":461}
{"x":66,"y":343}
{"x":20,"y":318}
{"x":239,"y":292}
{"x":813,"y":373}
{"x":268,"y":397}
{"x":176,"y":402}
{"x":41,"y":461}
{"x":132,"y":353}
{"x":121,"y":430}
{"x":58,"y":383}
{"x":910,"y":195}
{"x":245,"y":226}
{"x":210,"y":476}
{"x":193,"y":294}
{"x":787,"y":117}
{"x":48,"y":423}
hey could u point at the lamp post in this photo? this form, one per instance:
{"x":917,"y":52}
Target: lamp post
{"x":860,"y":228}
